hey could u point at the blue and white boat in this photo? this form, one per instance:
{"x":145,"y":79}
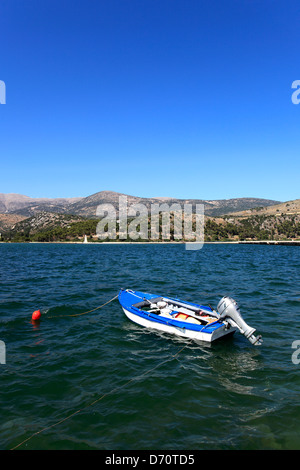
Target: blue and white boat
{"x":186,"y":319}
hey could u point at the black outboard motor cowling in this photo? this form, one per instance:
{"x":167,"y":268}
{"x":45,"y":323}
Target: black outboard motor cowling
{"x":229,"y":310}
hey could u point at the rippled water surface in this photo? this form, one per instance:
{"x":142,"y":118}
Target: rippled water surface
{"x":121,"y":383}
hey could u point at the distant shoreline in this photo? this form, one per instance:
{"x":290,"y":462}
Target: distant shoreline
{"x":235,"y":242}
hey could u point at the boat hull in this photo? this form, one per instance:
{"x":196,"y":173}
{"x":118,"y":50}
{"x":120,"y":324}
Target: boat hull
{"x":209,"y":333}
{"x":179,"y":331}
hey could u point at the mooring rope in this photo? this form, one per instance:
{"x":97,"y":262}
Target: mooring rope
{"x":102,"y":396}
{"x":97,"y":308}
{"x":83,"y":313}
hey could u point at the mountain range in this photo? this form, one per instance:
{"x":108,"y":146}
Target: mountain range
{"x":40,"y":219}
{"x":28,"y":206}
{"x":25,"y":206}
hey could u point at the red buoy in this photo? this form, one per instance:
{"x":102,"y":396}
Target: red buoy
{"x":36,"y":315}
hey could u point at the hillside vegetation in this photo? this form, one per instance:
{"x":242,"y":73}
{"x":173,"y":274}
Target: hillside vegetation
{"x":288,"y":208}
{"x":53,"y":227}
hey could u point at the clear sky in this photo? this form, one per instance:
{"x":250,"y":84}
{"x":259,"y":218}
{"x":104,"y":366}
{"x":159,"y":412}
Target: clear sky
{"x":179,"y":98}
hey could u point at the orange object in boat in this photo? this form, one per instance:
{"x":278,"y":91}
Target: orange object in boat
{"x":181,"y":316}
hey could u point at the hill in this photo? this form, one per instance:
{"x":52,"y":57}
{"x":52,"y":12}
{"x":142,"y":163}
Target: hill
{"x":65,"y":227}
{"x":86,"y":207}
{"x":227,"y":219}
{"x":289,"y":208}
{"x":45,"y":221}
{"x":7,"y":221}
{"x":48,"y":226}
{"x":276,"y":222}
{"x":27,"y":206}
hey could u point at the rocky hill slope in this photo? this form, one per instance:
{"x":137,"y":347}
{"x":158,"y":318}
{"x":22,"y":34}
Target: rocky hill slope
{"x":26,"y":206}
{"x":28,"y":219}
{"x":87,"y":206}
{"x":289,"y":208}
{"x":282,"y":225}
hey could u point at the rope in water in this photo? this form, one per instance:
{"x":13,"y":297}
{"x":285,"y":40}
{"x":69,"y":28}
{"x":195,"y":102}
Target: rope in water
{"x":101,"y":397}
{"x":97,"y":308}
{"x":88,"y":311}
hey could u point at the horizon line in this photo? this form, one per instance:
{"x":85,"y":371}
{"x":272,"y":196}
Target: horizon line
{"x":145,"y":197}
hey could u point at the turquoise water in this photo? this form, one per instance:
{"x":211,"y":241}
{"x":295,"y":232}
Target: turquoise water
{"x":98,"y":381}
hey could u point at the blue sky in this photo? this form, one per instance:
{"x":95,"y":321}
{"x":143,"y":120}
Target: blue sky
{"x":188,"y":99}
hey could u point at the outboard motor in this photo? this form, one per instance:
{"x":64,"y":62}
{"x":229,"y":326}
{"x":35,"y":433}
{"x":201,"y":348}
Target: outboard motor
{"x":229,"y":311}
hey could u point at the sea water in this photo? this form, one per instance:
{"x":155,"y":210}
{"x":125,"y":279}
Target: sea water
{"x":99,"y":381}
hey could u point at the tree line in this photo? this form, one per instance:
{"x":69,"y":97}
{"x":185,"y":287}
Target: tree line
{"x":253,"y":228}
